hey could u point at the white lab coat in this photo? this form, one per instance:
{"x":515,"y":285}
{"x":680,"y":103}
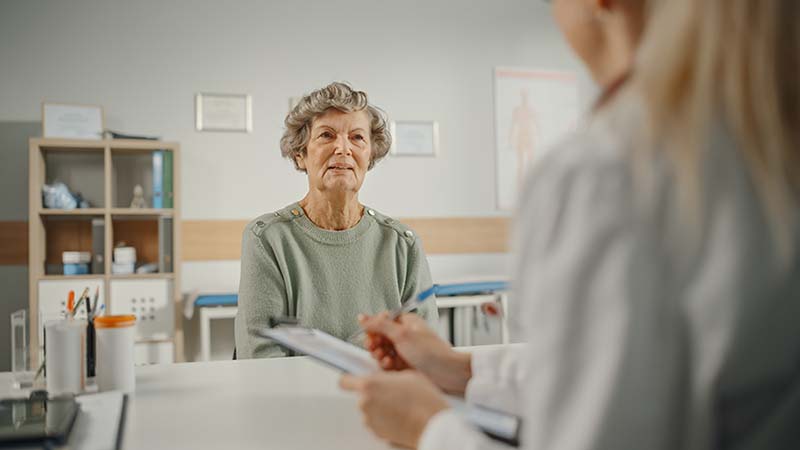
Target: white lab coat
{"x":637,"y":336}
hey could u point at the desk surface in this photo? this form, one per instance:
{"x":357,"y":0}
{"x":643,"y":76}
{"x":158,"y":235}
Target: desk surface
{"x":283,"y":403}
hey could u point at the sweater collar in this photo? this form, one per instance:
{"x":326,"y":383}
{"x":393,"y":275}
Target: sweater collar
{"x":330,"y":237}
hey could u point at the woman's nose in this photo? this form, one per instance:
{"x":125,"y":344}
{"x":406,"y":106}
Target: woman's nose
{"x":342,"y":146}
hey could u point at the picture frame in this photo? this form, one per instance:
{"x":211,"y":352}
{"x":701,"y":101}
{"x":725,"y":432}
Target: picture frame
{"x":415,"y":138}
{"x":223,"y":112}
{"x":72,"y":121}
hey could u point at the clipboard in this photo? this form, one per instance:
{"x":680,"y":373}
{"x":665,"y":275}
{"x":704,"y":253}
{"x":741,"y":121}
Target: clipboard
{"x":323,"y":347}
{"x":346,"y":357}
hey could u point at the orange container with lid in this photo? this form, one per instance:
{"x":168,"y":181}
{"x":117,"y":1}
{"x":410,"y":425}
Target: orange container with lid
{"x":115,"y":357}
{"x":120,"y":321}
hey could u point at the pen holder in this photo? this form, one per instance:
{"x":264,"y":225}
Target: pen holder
{"x":65,"y":356}
{"x":90,"y":348}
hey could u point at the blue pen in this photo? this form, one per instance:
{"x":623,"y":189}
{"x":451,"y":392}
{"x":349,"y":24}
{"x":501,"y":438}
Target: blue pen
{"x":413,"y":303}
{"x":404,"y":308}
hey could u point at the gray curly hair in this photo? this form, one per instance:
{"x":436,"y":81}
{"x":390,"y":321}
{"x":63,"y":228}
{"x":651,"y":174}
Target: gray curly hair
{"x":342,"y":97}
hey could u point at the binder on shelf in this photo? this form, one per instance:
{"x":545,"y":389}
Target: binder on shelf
{"x":158,"y":179}
{"x":165,"y":245}
{"x":98,"y":245}
{"x":167,"y":179}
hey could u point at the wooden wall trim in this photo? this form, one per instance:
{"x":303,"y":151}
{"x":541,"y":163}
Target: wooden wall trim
{"x":215,"y":240}
{"x":221,"y":240}
{"x":14,"y":243}
{"x":212,"y":240}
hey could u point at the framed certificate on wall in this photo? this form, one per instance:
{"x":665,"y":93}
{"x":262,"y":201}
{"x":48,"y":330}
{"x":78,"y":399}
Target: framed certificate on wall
{"x":223,"y":112}
{"x":415,"y":138}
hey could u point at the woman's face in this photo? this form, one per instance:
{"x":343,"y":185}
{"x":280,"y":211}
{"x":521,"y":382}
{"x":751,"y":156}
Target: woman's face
{"x":576,"y":20}
{"x":338,"y":151}
{"x":580,"y":26}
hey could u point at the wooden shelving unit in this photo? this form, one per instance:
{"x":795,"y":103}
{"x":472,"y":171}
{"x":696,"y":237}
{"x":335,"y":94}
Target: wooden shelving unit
{"x":104,"y":171}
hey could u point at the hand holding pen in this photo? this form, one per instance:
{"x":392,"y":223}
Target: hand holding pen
{"x":408,"y":342}
{"x":406,"y":307}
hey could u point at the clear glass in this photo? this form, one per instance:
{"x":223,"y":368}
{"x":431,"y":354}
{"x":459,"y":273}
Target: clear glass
{"x":20,"y":357}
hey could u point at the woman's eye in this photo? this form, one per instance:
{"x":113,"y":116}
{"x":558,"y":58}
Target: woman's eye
{"x":326,"y":135}
{"x":358,"y":137}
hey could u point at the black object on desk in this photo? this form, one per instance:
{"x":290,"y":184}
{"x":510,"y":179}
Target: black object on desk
{"x":36,"y":420}
{"x":90,"y":347}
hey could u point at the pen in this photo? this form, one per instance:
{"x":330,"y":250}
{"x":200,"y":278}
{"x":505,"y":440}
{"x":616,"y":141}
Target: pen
{"x":406,"y":307}
{"x":70,"y":302}
{"x":94,"y":302}
{"x":88,"y":309}
{"x":77,"y":305}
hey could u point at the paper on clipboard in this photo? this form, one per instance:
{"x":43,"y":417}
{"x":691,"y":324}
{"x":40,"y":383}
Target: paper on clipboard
{"x":324,"y":347}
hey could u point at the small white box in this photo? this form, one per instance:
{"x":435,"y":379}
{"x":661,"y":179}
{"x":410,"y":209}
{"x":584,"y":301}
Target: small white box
{"x":76,"y":257}
{"x":125,"y":255}
{"x":122,"y":268}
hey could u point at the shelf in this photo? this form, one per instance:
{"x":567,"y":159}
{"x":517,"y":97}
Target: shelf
{"x":134,"y":276}
{"x":114,"y":212}
{"x":105,"y":172}
{"x":91,"y":276}
{"x":143,"y":276}
{"x":73,"y":212}
{"x":91,"y":144}
{"x":142,"y":212}
{"x":69,"y":144}
{"x":134,"y":145}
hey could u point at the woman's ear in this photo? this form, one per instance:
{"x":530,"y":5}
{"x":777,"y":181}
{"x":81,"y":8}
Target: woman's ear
{"x":301,"y":161}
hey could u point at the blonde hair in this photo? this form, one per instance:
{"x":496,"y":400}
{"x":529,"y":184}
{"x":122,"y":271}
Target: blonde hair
{"x":737,"y":61}
{"x":339,"y":96}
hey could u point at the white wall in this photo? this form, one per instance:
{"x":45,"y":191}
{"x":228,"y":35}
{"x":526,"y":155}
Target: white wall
{"x":144,"y":60}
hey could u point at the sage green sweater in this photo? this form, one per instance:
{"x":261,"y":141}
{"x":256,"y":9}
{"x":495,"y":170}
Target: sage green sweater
{"x":290,"y":267}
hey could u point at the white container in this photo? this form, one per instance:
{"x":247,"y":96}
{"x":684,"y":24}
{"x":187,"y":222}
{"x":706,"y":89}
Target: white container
{"x":114,"y":355}
{"x":76,"y":257}
{"x":125,"y":255}
{"x":65,"y":356}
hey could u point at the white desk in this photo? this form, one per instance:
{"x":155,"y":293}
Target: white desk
{"x":283,"y":403}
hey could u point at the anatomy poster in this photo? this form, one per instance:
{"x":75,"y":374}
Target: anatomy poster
{"x":533,"y":110}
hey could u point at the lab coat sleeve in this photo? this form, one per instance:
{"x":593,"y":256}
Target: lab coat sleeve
{"x":448,"y":430}
{"x":498,"y":374}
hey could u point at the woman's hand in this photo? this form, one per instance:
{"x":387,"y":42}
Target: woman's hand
{"x":409,"y":343}
{"x":396,"y":405}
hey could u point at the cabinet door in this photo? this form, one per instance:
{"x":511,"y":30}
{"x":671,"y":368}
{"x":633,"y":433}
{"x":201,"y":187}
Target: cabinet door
{"x":53,"y":296}
{"x":150,"y":301}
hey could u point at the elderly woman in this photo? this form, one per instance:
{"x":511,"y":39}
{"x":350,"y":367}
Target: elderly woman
{"x":328,"y":258}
